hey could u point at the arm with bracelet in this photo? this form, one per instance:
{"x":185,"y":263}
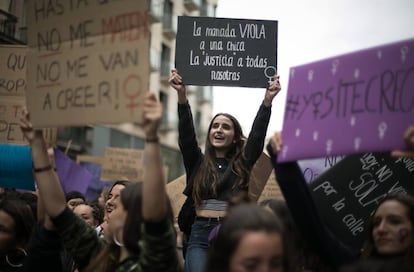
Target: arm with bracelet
{"x":47,"y":180}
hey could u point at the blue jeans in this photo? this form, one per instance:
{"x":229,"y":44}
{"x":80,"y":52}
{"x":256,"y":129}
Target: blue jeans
{"x":197,"y":249}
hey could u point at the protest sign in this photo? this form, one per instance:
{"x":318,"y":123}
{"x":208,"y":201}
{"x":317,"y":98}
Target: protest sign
{"x":353,"y":103}
{"x":88,"y":61}
{"x":347,"y":193}
{"x":226,"y":52}
{"x":72,"y":176}
{"x":175,"y":190}
{"x":10,"y":114}
{"x":122,"y":164}
{"x":271,"y":189}
{"x":13,"y":70}
{"x":90,"y":159}
{"x":259,"y":176}
{"x":16,"y":167}
{"x":312,"y":168}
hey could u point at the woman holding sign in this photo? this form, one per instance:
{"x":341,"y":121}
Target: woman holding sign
{"x":222,"y":171}
{"x":143,"y":237}
{"x":391,"y":226}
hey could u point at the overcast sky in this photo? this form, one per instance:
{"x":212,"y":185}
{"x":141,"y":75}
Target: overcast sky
{"x":311,"y":30}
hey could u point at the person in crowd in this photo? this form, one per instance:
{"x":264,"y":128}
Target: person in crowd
{"x":331,"y":251}
{"x":16,"y":225}
{"x":143,"y":237}
{"x":91,"y":212}
{"x":409,"y":141}
{"x":390,"y":245}
{"x":222,"y":171}
{"x":103,"y":196}
{"x":250,"y":239}
{"x":74,"y":198}
{"x":302,"y":256}
{"x":110,"y":204}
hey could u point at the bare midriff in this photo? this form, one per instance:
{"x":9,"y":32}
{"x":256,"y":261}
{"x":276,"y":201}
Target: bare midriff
{"x":210,"y":213}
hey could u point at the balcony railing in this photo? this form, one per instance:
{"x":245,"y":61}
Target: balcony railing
{"x":155,"y":10}
{"x":192,"y":5}
{"x":7,"y":24}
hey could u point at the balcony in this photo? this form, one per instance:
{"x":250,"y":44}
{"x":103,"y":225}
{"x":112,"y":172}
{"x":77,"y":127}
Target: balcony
{"x":8,"y":28}
{"x":155,"y":11}
{"x":204,"y":94}
{"x":192,"y":5}
{"x":170,"y":26}
{"x":155,"y":60}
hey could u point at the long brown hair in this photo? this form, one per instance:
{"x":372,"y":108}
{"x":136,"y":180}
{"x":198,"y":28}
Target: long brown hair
{"x":206,"y":177}
{"x":131,"y":199}
{"x":369,"y":248}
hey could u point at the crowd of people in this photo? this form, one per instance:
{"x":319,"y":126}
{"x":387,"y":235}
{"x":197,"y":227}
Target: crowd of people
{"x":131,"y":226}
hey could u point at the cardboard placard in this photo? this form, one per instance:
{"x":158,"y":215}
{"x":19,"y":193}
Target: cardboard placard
{"x":13,"y":70}
{"x":88,"y":158}
{"x":10,"y":114}
{"x":271,"y":189}
{"x":347,"y":193}
{"x":349,"y":104}
{"x":226,"y":52}
{"x":259,"y":176}
{"x":122,"y":164}
{"x":89,"y":62}
{"x":175,"y":190}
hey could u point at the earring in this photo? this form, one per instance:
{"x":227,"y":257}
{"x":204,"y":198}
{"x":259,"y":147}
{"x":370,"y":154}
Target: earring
{"x":116,"y":241}
{"x":16,"y":265}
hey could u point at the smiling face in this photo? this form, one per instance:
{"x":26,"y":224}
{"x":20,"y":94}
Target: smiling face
{"x":113,"y":196}
{"x":392,"y":228}
{"x":258,"y":252}
{"x":221,"y":134}
{"x":117,"y":217}
{"x":86,"y":213}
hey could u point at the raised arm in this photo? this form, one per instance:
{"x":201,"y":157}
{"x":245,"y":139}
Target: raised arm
{"x":176,"y":81}
{"x":154,"y":196}
{"x":304,"y":212}
{"x":257,"y":135}
{"x":273,"y":89}
{"x":50,"y":190}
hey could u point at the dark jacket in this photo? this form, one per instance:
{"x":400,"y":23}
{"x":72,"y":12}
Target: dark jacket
{"x":192,"y":155}
{"x":305,"y":214}
{"x":158,"y":251}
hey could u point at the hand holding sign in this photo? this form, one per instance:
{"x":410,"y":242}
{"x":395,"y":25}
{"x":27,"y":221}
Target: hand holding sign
{"x":273,"y":89}
{"x":409,"y":140}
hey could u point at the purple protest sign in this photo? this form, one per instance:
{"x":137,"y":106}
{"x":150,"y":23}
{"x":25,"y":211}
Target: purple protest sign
{"x":72,"y":176}
{"x":353,"y":103}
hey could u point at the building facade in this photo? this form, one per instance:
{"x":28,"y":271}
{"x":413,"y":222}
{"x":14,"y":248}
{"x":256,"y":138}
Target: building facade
{"x":92,"y":140}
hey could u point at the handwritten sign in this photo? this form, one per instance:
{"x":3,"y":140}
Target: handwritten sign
{"x":13,"y":70}
{"x":122,"y":164}
{"x":259,"y":176}
{"x":348,"y":192}
{"x":312,"y":168}
{"x":271,"y":189}
{"x":175,"y":190}
{"x":88,"y":60}
{"x":226,"y":52}
{"x":353,"y":103}
{"x":10,"y":114}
